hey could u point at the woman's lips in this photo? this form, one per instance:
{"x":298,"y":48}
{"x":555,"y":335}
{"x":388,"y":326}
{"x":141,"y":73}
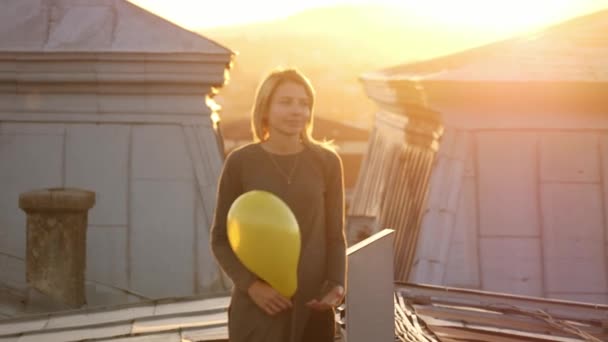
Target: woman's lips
{"x":294,"y":123}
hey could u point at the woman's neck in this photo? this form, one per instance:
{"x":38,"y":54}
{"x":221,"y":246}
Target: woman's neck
{"x":281,"y":144}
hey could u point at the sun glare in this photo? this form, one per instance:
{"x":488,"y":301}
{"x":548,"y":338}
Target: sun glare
{"x":495,"y":16}
{"x":196,"y":14}
{"x":498,"y":16}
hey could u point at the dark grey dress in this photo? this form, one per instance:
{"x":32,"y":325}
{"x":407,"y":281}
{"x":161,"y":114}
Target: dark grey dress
{"x":316,"y":197}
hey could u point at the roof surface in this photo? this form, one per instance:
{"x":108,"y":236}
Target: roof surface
{"x":185,"y":319}
{"x":94,"y":26}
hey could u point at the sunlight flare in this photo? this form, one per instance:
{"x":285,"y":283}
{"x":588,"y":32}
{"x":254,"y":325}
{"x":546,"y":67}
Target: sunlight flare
{"x":493,"y":15}
{"x":498,"y":16}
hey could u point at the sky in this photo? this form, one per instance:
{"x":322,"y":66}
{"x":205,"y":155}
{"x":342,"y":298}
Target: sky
{"x":496,"y":15}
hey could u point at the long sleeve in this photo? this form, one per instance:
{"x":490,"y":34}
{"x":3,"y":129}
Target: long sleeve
{"x":229,"y":189}
{"x":336,"y":240}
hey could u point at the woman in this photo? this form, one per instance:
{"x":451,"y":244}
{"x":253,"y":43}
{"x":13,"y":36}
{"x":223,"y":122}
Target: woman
{"x":307,"y":176}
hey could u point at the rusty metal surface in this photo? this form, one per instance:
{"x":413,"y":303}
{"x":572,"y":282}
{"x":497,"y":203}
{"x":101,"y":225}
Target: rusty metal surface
{"x":394,"y":177}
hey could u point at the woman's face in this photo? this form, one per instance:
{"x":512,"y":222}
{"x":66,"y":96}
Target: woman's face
{"x":289,"y":109}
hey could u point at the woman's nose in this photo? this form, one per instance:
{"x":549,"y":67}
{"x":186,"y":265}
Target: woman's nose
{"x":299,"y":109}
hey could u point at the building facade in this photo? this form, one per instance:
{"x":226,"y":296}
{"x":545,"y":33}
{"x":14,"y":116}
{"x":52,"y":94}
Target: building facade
{"x":516,"y":200}
{"x":105,"y":96}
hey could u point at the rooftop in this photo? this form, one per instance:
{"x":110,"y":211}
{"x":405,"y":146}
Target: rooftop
{"x":94,"y":26}
{"x":575,"y":50}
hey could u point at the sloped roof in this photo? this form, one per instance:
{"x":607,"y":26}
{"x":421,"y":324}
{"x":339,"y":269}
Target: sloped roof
{"x":94,"y":26}
{"x":576,"y":50}
{"x":422,"y":313}
{"x":185,"y":319}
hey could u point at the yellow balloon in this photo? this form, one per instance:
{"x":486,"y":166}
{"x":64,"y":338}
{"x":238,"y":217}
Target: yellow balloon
{"x":264,"y":234}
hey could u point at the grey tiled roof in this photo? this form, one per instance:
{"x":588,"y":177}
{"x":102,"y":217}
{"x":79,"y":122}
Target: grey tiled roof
{"x":94,"y":26}
{"x":192,"y":318}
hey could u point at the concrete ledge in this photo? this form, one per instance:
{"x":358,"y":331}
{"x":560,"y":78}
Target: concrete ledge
{"x":57,"y":199}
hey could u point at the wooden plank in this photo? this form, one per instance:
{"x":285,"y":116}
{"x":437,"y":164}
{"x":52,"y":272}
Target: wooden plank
{"x":404,"y":315}
{"x":591,"y":298}
{"x":557,"y":308}
{"x":406,"y":327}
{"x":474,"y":335}
{"x":498,"y":320}
{"x":447,"y":339}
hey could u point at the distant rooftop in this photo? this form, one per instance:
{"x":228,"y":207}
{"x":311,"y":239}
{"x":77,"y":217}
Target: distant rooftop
{"x":323,"y":128}
{"x":576,"y":50}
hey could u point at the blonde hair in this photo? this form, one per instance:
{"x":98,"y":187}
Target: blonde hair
{"x":266,"y":89}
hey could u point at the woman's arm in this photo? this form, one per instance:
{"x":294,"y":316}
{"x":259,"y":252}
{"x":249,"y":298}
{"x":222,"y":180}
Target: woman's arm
{"x":229,"y":188}
{"x":334,"y":289}
{"x":334,"y":211}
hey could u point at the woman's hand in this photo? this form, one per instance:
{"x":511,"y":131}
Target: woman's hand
{"x":267,"y":298}
{"x":332,"y":299}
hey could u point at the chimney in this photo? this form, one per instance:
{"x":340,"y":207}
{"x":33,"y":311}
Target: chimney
{"x":56,"y":242}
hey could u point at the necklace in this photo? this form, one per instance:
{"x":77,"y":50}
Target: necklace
{"x":287,"y":176}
